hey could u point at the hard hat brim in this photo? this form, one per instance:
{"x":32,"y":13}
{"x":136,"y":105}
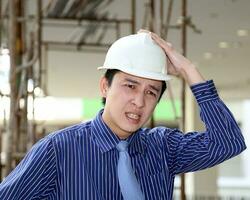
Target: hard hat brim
{"x":139,"y":73}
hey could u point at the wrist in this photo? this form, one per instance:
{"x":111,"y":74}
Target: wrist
{"x":191,"y":75}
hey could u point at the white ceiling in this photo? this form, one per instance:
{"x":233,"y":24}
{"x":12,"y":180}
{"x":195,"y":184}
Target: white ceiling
{"x":219,"y":21}
{"x":74,"y":73}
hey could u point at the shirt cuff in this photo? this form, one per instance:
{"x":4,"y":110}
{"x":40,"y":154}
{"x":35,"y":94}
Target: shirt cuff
{"x":205,"y":91}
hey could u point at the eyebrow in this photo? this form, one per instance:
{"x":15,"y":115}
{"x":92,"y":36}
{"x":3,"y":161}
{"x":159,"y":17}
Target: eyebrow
{"x":136,"y":82}
{"x":132,"y":81}
{"x":155,"y":88}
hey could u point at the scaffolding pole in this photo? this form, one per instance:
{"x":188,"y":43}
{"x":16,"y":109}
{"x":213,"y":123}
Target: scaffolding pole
{"x":1,"y":23}
{"x":12,"y":123}
{"x":183,"y":84}
{"x":0,"y":91}
{"x":133,"y":16}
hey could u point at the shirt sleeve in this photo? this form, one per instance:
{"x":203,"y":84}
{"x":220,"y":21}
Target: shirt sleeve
{"x":35,"y":175}
{"x":221,"y":140}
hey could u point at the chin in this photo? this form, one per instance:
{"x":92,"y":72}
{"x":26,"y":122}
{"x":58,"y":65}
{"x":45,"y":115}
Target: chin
{"x":132,"y":129}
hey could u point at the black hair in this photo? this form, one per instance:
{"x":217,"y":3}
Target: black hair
{"x":109,"y":75}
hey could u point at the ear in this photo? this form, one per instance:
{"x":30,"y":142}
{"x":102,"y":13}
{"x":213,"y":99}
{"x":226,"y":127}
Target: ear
{"x":103,"y":86}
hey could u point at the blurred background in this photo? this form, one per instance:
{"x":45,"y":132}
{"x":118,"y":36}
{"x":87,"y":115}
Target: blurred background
{"x":50,"y":49}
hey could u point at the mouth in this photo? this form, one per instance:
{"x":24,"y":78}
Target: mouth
{"x":133,"y":117}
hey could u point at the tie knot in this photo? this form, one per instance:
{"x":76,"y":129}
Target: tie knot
{"x":122,"y":146}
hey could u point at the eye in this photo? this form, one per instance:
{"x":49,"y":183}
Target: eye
{"x":131,"y":86}
{"x":151,"y":93}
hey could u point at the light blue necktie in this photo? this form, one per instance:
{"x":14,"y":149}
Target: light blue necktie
{"x":130,"y":188}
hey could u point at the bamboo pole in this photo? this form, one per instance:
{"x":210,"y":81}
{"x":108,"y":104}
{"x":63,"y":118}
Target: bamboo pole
{"x":1,"y":18}
{"x":133,"y":16}
{"x":161,"y":17}
{"x":183,"y":92}
{"x":152,"y":18}
{"x":0,"y":154}
{"x":168,"y":18}
{"x":12,"y":123}
{"x":0,"y":91}
{"x":39,"y":38}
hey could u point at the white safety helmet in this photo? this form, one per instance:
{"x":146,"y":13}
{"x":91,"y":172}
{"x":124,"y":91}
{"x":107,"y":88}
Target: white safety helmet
{"x":137,"y":55}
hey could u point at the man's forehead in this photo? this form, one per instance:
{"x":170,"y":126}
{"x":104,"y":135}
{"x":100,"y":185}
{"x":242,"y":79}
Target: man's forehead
{"x":139,"y":79}
{"x":128,"y":77}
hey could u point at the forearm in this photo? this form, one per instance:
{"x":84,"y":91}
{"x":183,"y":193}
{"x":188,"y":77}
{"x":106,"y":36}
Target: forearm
{"x":220,"y":123}
{"x":191,"y":75}
{"x":221,"y":140}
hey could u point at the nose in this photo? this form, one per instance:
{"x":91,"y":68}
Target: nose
{"x":139,"y":100}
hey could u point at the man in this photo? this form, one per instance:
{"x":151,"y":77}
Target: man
{"x":82,"y":161}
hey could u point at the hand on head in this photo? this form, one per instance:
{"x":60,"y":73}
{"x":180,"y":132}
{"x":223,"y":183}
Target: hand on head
{"x":175,"y":61}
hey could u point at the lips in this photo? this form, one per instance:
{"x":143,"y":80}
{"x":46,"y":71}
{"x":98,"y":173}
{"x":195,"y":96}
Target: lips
{"x":133,"y":117}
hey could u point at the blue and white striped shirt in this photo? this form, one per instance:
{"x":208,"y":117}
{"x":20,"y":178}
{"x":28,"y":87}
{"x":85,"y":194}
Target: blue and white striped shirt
{"x":79,"y":162}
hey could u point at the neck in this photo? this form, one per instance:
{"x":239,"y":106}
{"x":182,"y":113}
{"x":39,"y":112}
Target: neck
{"x":121,"y":134}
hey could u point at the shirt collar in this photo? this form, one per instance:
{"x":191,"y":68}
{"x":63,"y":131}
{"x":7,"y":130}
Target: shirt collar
{"x":107,"y":140}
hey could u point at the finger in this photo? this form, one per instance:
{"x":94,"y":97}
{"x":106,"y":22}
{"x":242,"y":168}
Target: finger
{"x":170,"y":64}
{"x":143,"y":31}
{"x":172,"y":70}
{"x":165,"y":45}
{"x":169,"y":44}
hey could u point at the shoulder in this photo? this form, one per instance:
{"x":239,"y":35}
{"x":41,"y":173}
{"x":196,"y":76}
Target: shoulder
{"x":160,"y":132}
{"x":70,"y":134}
{"x":161,"y":135}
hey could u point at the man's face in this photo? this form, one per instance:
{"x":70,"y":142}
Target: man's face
{"x":130,"y":101}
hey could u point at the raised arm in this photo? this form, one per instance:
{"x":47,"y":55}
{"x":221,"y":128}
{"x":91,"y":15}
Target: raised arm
{"x":222,"y":138}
